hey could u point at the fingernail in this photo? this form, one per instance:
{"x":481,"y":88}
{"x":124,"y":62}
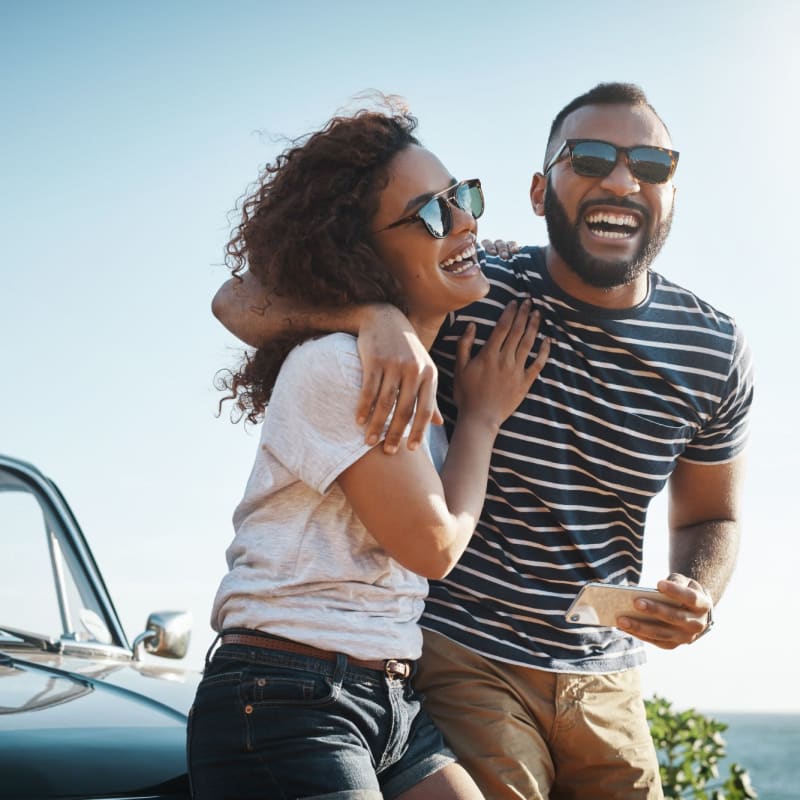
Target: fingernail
{"x":390,"y":448}
{"x":623,"y":622}
{"x":361,"y":420}
{"x":413,"y":445}
{"x":643,"y":604}
{"x":372,"y":439}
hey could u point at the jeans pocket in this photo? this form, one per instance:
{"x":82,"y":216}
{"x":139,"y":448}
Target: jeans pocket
{"x":286,"y":686}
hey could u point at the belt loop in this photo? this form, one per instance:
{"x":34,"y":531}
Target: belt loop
{"x":210,"y":649}
{"x":339,"y":671}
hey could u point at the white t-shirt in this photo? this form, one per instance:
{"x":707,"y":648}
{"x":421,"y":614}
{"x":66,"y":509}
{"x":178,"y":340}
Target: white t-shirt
{"x":302,"y":565}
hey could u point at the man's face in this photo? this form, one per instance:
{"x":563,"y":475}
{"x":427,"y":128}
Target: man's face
{"x":608,"y":230}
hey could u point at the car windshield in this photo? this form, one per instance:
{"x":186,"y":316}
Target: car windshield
{"x":45,"y":596}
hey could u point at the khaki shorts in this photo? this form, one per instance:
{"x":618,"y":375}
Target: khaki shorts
{"x":526,"y":733}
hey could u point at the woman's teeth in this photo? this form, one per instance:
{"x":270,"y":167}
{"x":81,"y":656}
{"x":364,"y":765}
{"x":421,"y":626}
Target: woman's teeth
{"x":461,"y":262}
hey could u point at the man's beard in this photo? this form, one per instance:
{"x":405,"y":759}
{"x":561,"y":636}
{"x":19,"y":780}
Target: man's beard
{"x":597,"y":272}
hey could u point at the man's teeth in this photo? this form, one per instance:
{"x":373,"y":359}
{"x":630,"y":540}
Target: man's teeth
{"x":467,"y":256}
{"x":599,"y":220}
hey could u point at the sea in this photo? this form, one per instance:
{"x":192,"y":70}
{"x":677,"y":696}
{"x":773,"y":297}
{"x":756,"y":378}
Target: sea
{"x":767,"y":745}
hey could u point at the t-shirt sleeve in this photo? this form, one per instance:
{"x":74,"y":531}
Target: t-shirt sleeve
{"x":310,"y":423}
{"x":724,"y":436}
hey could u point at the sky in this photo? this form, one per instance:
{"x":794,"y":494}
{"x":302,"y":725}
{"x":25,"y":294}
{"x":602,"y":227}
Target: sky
{"x":130,"y":130}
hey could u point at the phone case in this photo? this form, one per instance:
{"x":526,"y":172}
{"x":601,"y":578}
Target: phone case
{"x":601,"y":603}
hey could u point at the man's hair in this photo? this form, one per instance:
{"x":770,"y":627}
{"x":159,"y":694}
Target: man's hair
{"x":602,"y":94}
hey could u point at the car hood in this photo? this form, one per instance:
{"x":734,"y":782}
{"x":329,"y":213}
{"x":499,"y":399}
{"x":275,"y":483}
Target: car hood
{"x":73,"y":727}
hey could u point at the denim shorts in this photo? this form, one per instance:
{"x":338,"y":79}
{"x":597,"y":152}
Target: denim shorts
{"x":272,"y":724}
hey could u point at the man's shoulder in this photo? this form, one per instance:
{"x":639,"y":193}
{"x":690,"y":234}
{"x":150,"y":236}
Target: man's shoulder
{"x":678,"y":299}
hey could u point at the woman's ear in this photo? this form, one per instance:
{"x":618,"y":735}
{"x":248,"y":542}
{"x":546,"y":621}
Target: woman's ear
{"x":538,"y":189}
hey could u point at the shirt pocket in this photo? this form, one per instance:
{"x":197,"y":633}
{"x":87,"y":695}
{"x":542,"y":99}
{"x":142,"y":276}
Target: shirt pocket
{"x":654,"y":447}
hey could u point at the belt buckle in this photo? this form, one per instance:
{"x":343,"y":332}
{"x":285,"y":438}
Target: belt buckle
{"x":394,"y":668}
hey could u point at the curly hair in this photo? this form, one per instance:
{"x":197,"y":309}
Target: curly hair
{"x":305,"y":231}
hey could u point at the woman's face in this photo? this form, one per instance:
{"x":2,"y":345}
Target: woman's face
{"x":437,"y":275}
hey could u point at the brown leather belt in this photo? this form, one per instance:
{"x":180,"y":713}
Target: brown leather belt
{"x":391,"y":667}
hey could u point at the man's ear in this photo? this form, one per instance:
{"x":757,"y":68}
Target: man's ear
{"x":538,"y":188}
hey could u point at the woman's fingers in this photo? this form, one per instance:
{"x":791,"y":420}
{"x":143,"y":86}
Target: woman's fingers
{"x":532,"y":372}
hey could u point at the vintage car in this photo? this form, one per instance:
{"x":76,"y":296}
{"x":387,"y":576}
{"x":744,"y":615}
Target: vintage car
{"x":83,"y":714}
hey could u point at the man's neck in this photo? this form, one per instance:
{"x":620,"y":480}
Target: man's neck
{"x":628,"y":295}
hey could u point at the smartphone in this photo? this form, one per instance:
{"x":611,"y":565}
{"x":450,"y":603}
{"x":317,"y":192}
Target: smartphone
{"x":601,"y":603}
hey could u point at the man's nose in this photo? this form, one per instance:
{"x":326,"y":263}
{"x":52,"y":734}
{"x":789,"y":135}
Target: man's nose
{"x":620,"y":180}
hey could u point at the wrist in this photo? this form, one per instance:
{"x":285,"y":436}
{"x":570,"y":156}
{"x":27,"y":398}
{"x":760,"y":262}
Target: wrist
{"x":370,"y":315}
{"x":479,"y":418}
{"x":709,"y":617}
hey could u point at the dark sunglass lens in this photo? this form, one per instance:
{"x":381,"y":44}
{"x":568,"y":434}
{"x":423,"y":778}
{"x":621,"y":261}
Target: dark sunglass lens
{"x":436,"y":216}
{"x":468,"y":198}
{"x":650,"y":165}
{"x":593,"y":159}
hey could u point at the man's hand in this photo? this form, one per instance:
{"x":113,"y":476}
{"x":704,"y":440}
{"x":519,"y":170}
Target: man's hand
{"x":398,"y":373}
{"x":668,"y":626}
{"x":500,"y":247}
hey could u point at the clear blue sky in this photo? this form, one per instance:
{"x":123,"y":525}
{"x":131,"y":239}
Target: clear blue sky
{"x":130,"y":129}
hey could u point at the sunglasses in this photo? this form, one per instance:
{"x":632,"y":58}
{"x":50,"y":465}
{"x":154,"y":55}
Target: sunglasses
{"x":436,"y":214}
{"x":593,"y":158}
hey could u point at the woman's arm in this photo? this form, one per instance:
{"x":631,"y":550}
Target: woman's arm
{"x":425,"y":520}
{"x":398,"y":370}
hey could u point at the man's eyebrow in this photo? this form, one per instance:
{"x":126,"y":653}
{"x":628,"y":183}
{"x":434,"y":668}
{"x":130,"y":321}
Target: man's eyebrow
{"x":421,"y":199}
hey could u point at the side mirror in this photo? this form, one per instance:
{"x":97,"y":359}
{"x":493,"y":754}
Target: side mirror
{"x":167,"y":635}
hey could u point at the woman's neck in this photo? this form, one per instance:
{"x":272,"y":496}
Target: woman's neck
{"x":426,"y":328}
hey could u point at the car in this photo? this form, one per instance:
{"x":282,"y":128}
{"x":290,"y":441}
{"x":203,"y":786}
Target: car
{"x":83,"y":713}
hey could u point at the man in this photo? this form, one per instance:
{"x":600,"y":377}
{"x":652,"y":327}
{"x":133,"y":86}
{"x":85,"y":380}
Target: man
{"x":646,"y":385}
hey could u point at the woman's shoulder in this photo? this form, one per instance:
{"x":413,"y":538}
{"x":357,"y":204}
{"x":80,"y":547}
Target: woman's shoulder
{"x":332,"y":358}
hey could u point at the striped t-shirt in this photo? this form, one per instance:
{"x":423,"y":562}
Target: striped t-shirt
{"x":624,"y":394}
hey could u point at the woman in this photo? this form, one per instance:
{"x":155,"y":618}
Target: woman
{"x":311,"y":692}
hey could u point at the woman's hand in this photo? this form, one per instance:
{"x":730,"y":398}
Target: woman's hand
{"x":491,"y":385}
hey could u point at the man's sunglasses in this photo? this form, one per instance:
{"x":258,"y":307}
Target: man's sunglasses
{"x":436,"y":214}
{"x":593,"y":158}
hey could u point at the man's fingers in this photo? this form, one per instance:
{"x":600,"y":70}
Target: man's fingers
{"x":489,"y":247}
{"x":659,"y":635}
{"x":426,"y":409}
{"x":384,"y":403}
{"x":405,"y":400}
{"x":371,"y":384}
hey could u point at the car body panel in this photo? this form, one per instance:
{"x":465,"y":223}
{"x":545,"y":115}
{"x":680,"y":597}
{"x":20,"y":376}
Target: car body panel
{"x":83,"y":717}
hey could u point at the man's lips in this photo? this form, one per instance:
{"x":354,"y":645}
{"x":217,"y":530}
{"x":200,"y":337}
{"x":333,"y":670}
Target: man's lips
{"x":614,"y":221}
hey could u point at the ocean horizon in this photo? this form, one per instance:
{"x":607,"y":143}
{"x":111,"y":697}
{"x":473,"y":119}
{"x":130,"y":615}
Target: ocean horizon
{"x":767,"y":745}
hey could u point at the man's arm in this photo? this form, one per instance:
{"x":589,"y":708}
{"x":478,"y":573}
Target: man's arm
{"x":398,"y":370}
{"x":704,"y":542}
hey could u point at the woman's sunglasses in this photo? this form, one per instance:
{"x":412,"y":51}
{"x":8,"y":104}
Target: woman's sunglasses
{"x":436,"y":214}
{"x":593,"y":158}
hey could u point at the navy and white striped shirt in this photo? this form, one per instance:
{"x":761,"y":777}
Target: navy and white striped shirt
{"x":624,"y":394}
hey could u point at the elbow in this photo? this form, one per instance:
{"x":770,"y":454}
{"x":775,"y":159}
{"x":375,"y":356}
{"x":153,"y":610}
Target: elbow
{"x":441,"y":566}
{"x":441,"y":560}
{"x":218,"y":305}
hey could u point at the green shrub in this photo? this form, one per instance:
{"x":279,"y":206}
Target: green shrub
{"x":690,"y":747}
